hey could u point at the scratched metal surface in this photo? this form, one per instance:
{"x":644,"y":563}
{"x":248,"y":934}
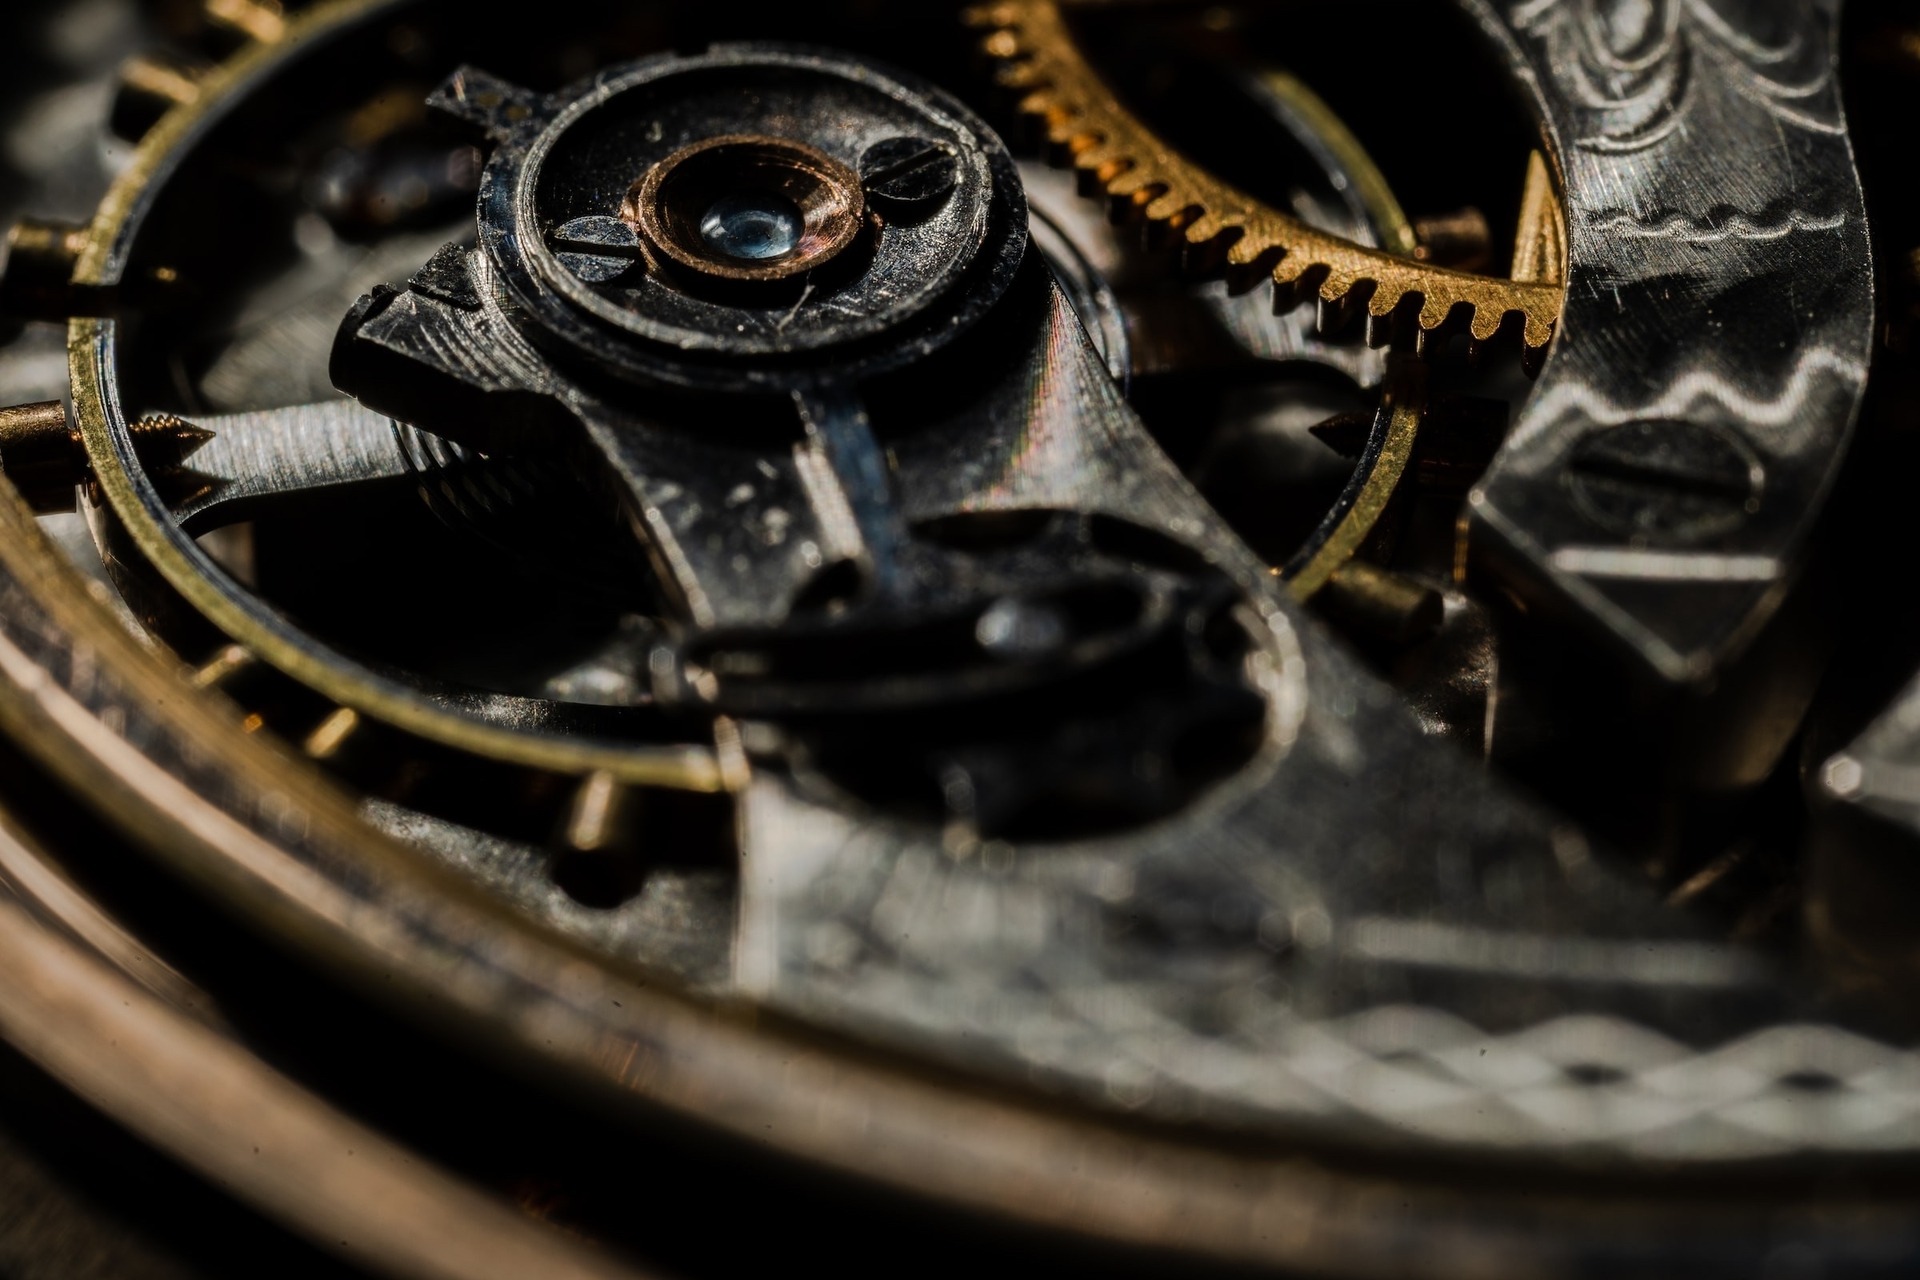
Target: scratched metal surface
{"x":1357,"y":933}
{"x":1217,"y":969}
{"x":1720,"y":301}
{"x":1358,"y":936}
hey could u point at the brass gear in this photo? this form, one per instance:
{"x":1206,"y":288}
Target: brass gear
{"x":1223,"y":228}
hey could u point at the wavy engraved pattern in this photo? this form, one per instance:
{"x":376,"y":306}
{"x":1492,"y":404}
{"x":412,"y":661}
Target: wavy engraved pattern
{"x":1634,"y":67}
{"x":1679,"y":229}
{"x":1820,"y":377}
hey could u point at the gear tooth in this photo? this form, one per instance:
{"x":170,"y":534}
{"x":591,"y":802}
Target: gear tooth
{"x":1245,"y":252}
{"x":1336,"y":286}
{"x":1004,"y":44}
{"x":1064,"y":146}
{"x":1342,"y":299}
{"x":1205,"y":229}
{"x":1302,"y":287}
{"x":1063,"y":128}
{"x":1001,"y":15}
{"x":1126,"y":181}
{"x":1290,"y":269}
{"x":1208,"y":244}
{"x":262,"y":21}
{"x":1505,"y":334}
{"x":1026,"y":75}
{"x":1169,"y":207}
{"x":1073,"y":131}
{"x":1534,"y":358}
{"x":1240,"y":258}
{"x":1433,"y":313}
{"x":1486,"y":322}
{"x":1290,"y":292}
{"x":1539,"y":332}
{"x":1390,"y":313}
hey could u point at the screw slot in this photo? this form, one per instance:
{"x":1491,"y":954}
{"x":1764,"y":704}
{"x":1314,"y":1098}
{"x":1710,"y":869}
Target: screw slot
{"x":599,"y":249}
{"x":907,"y":176}
{"x":1674,"y":481}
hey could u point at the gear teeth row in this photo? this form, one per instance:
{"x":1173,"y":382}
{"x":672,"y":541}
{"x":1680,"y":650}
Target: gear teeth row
{"x":1219,"y":230}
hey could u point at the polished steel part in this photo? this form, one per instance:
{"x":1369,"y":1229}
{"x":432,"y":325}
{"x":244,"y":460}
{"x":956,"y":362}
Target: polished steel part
{"x":822,"y":929}
{"x":1236,"y":1025}
{"x":1310,"y":739}
{"x":1181,"y":325}
{"x":255,"y":458}
{"x":195,"y":795}
{"x":515,"y":729}
{"x":1694,"y":277}
{"x":1719,"y":307}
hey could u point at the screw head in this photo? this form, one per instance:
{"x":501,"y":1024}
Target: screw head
{"x":597,"y":249}
{"x":1666,"y":480}
{"x":908,"y":175}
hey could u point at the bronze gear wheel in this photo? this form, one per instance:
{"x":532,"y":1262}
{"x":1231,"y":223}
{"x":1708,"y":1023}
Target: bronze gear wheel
{"x":1222,"y":228}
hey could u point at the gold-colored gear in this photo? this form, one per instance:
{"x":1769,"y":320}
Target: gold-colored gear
{"x":1224,"y":227}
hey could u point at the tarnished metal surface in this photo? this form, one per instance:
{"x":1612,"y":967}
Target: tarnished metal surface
{"x":804,"y":633}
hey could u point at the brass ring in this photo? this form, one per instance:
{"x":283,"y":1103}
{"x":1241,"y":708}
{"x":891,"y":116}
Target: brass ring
{"x":674,"y":203}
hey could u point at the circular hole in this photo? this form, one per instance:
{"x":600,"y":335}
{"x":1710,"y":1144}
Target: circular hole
{"x":748,"y":208}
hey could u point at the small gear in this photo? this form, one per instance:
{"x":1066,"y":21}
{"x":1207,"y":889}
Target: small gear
{"x":1224,"y":228}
